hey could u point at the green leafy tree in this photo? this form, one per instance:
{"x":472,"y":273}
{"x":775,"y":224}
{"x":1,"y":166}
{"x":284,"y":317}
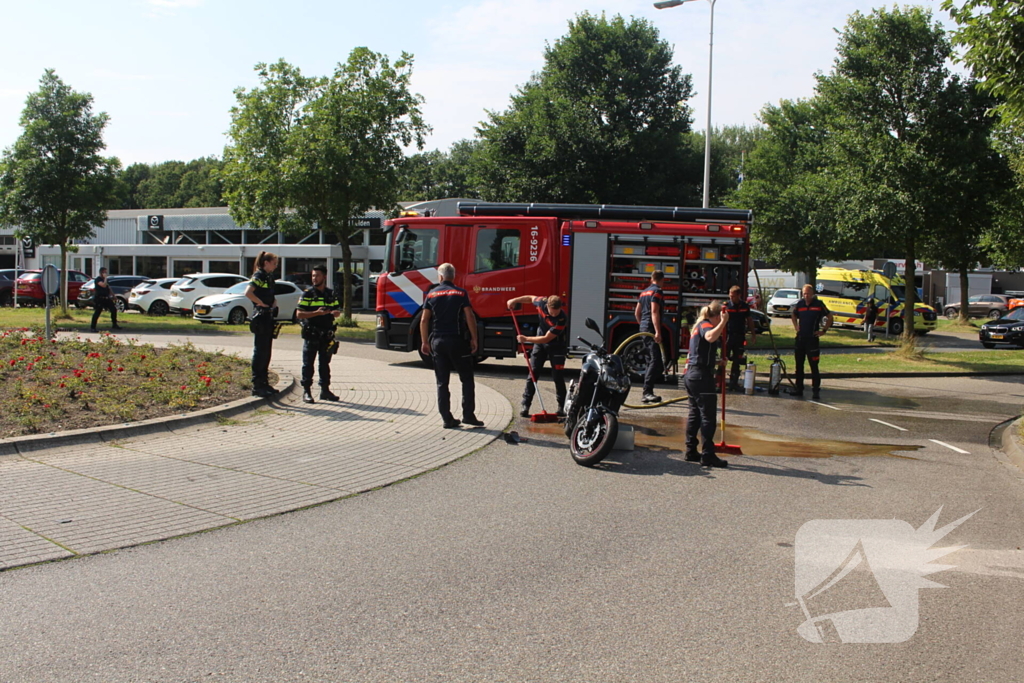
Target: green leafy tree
{"x":55,"y":185}
{"x":321,"y":150}
{"x":887,"y":96}
{"x":128,"y":182}
{"x":790,"y":190}
{"x":437,"y":175}
{"x":977,"y":186}
{"x":730,"y":146}
{"x":605,"y":121}
{"x":993,"y":33}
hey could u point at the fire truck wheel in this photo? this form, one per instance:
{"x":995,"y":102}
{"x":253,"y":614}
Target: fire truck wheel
{"x":634,"y":358}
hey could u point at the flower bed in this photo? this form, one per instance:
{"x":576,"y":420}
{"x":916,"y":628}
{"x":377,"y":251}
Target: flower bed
{"x":57,"y":385}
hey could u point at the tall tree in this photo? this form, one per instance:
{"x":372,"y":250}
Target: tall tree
{"x":977,"y":185}
{"x":604,"y":121}
{"x":437,"y":175}
{"x":321,"y":150}
{"x":887,"y":95}
{"x":54,"y":183}
{"x":730,"y":146}
{"x":788,"y":186}
{"x":993,"y":33}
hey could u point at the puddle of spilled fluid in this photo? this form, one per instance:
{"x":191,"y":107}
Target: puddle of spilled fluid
{"x":662,"y":434}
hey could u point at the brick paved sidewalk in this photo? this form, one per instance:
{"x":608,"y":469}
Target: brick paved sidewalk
{"x":74,"y":499}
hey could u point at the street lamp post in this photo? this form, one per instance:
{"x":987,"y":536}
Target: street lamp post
{"x":707,"y":133}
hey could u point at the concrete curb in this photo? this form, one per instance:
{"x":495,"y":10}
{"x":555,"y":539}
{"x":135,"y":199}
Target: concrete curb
{"x":20,"y":445}
{"x":1011,"y":444}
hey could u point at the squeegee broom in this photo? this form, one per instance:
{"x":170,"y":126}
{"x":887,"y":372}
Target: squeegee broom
{"x":544,"y":415}
{"x":723,"y":447}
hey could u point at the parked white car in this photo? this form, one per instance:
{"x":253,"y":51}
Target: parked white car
{"x":152,"y":296}
{"x":782,"y":302}
{"x":189,"y":289}
{"x":234,"y":308}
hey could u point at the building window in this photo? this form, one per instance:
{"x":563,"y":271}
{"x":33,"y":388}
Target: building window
{"x":119,"y":265}
{"x":184,"y":267}
{"x":151,"y":266}
{"x":496,"y":249}
{"x":224,"y":267}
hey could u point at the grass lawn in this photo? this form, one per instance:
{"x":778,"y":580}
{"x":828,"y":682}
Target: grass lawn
{"x":1008,"y":361}
{"x":785,"y":336}
{"x":137,"y":323}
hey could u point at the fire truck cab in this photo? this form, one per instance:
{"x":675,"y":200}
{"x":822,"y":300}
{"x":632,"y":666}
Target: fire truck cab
{"x":596,"y":257}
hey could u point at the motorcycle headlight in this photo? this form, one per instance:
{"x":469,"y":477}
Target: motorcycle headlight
{"x":610,"y":382}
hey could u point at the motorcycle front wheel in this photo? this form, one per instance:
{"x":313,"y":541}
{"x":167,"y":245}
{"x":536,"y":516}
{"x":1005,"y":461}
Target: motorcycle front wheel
{"x":591,"y":443}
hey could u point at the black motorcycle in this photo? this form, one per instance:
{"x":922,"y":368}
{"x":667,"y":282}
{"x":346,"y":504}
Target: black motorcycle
{"x":592,"y":407}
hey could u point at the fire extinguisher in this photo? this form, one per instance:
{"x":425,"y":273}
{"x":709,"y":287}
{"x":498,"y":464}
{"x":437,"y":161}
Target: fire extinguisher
{"x":749,"y":376}
{"x":775,"y":376}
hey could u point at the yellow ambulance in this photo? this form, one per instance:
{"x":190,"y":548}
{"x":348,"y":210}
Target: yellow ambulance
{"x":846,"y":291}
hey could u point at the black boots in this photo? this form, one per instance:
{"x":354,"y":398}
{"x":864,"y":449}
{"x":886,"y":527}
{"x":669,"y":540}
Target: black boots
{"x":307,"y":397}
{"x":326,"y":395}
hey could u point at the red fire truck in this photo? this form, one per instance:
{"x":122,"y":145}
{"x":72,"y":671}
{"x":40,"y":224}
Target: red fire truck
{"x":597,"y":257}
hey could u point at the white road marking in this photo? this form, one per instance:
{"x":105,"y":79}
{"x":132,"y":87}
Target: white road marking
{"x":952,"y":448}
{"x":887,"y":424}
{"x":824,"y":404}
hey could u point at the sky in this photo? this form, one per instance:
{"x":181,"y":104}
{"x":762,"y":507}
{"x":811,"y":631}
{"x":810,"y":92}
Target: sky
{"x":165,"y":71}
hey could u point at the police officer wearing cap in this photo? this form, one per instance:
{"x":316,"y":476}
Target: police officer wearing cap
{"x":740,"y":322}
{"x":447,"y":315}
{"x":260,"y":291}
{"x":548,"y":346}
{"x":807,"y":316}
{"x":701,"y":362}
{"x":318,"y":308}
{"x":648,"y":314}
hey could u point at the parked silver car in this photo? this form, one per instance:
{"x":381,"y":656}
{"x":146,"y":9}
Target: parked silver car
{"x":782,"y":302}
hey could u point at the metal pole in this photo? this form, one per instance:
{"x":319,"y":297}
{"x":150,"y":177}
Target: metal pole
{"x":707,"y":133}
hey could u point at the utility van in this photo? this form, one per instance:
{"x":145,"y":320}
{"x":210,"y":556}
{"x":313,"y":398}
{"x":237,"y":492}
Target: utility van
{"x":845,"y":292}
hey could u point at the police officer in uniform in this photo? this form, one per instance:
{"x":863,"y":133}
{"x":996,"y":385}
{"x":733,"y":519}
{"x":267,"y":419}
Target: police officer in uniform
{"x":260,"y":292}
{"x":317,"y":311}
{"x":740,"y":322}
{"x":701,"y":362}
{"x":807,"y":316}
{"x":102,"y":300}
{"x":448,"y":308}
{"x":648,"y":314}
{"x":548,"y":346}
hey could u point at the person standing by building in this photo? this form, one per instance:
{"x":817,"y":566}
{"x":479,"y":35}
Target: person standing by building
{"x":548,"y":345}
{"x":740,"y":322}
{"x":103,"y":299}
{"x":318,"y":308}
{"x":447,"y":317}
{"x":870,"y":316}
{"x":807,"y":316}
{"x":648,"y":314}
{"x":260,"y":292}
{"x":701,"y":362}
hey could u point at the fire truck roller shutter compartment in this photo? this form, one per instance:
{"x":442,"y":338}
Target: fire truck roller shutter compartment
{"x":589,"y":283}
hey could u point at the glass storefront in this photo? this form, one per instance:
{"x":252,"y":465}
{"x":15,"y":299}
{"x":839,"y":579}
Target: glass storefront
{"x":151,"y":266}
{"x":183,"y":267}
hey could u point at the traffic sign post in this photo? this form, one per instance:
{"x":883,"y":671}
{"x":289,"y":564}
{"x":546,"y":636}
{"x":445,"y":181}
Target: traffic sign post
{"x":51,"y":285}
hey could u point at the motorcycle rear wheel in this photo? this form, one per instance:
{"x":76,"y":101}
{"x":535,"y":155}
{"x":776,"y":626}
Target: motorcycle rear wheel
{"x":589,"y":447}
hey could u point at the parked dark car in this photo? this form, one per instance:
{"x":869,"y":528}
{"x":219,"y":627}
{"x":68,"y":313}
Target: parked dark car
{"x":7,"y":285}
{"x":29,"y":287}
{"x":1006,"y":330}
{"x":120,"y":287}
{"x":762,"y":323}
{"x":981,"y":306}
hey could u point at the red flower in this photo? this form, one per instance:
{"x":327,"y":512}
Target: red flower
{"x":62,"y":385}
{"x":183,"y":387}
{"x":143,"y":357}
{"x":13,"y":362}
{"x":120,"y":369}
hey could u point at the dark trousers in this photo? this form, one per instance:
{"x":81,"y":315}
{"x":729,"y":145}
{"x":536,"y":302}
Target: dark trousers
{"x":540,"y":355}
{"x":312,"y":350}
{"x":452,"y":353}
{"x":655,"y":364}
{"x":100,"y":305}
{"x":700,"y":387}
{"x":736,"y":352}
{"x":262,"y":341}
{"x":807,"y":348}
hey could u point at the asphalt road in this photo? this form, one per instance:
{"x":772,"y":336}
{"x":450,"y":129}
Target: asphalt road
{"x":514,"y":564}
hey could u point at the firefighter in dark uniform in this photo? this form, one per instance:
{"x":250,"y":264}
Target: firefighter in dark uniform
{"x":701,"y":371}
{"x":103,"y":300}
{"x":807,"y":316}
{"x":318,"y":308}
{"x":260,"y":292}
{"x":740,"y":322}
{"x":648,"y":314}
{"x":448,"y":308}
{"x":548,"y":346}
